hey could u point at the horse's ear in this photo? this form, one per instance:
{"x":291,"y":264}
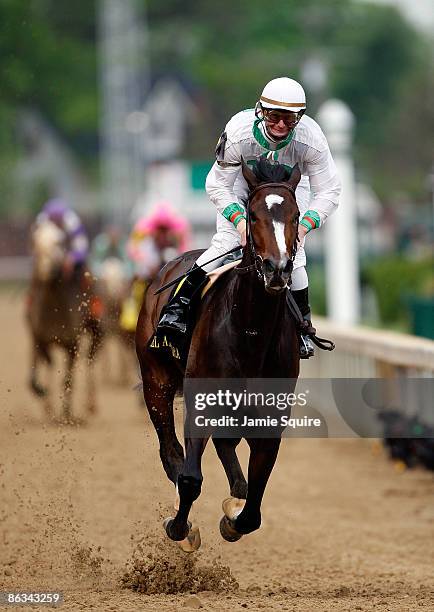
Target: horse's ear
{"x":249,"y":175}
{"x":295,"y":177}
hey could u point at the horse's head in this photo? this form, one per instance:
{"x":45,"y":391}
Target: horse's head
{"x":48,"y":245}
{"x":272,"y":221}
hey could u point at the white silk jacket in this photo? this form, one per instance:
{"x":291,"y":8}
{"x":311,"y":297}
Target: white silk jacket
{"x":244,"y":136}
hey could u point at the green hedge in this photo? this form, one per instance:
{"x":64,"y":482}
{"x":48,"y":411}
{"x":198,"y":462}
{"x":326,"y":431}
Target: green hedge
{"x":396,"y":279}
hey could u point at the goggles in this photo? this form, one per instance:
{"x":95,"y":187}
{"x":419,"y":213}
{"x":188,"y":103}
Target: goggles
{"x":274,"y":116}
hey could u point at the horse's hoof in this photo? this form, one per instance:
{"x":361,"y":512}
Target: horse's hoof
{"x":167,"y":524}
{"x":38,"y":389}
{"x":232,"y":507}
{"x":228,"y":532}
{"x":168,"y":527}
{"x":191,"y":542}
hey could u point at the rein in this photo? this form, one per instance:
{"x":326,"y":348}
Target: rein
{"x":302,"y":325}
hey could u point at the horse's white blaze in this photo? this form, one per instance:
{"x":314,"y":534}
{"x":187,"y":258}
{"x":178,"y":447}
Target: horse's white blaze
{"x":273,"y":198}
{"x":279,"y":232}
{"x":48,"y":248}
{"x":279,"y":229}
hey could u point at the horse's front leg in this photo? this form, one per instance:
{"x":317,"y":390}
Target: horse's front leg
{"x":189,"y":488}
{"x":225,"y":448}
{"x":236,"y":522}
{"x":67,"y":383}
{"x":95,"y":345}
{"x":40,"y":352}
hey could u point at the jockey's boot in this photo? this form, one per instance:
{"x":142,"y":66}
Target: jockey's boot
{"x":301,"y":298}
{"x":176,"y":312}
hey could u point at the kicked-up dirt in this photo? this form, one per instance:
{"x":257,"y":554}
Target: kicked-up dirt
{"x":81,"y":511}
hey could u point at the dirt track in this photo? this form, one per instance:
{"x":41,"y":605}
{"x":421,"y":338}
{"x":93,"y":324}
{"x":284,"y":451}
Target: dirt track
{"x":342,"y":530}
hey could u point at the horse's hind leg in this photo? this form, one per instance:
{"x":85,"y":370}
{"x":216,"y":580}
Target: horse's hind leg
{"x":40,"y":351}
{"x":95,"y":344}
{"x":225,"y":448}
{"x":35,"y":385}
{"x":67,"y":383}
{"x":159,"y":391}
{"x":263,"y":454}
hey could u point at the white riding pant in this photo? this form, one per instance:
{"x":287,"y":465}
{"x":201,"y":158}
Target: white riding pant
{"x":227,"y":238}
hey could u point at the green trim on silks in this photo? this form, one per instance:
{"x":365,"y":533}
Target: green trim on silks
{"x":260,"y":138}
{"x":238,"y":218}
{"x":234,"y":213}
{"x":310,"y":220}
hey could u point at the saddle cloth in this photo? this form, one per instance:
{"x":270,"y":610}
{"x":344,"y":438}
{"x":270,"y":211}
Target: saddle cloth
{"x":215,"y":274}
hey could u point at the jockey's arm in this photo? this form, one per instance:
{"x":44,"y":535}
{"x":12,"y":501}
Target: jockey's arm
{"x":325,"y":187}
{"x":77,"y":238}
{"x":79,"y":247}
{"x":220,"y":185}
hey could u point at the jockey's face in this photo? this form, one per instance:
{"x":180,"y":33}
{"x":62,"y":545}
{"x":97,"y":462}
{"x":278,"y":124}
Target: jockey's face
{"x":164,"y":237}
{"x":57,"y":220}
{"x":279,"y":123}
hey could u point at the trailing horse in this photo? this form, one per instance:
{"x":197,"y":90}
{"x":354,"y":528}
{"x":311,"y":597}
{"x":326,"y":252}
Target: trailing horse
{"x":112,"y":287}
{"x":244,"y":330}
{"x":60,"y":308}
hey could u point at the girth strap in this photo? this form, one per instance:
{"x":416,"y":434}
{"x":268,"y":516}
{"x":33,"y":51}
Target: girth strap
{"x":304,"y":327}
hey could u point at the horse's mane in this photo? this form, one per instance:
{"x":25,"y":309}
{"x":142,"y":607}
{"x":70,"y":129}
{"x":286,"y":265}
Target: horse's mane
{"x":271,"y":172}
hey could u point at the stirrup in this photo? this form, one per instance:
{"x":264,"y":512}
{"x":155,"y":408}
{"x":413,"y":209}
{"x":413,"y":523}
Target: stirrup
{"x":306,"y":347}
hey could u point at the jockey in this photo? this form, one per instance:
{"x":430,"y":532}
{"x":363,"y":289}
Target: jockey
{"x":109,"y":244}
{"x":278,"y":129}
{"x":156,"y":238}
{"x":77,"y":245}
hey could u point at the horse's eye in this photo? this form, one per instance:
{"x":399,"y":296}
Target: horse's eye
{"x":295,"y":219}
{"x":253,"y":217}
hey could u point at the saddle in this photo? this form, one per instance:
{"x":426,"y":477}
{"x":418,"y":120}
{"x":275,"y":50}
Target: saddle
{"x":178,"y":350}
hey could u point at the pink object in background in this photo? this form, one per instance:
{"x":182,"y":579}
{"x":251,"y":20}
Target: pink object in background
{"x":163,"y":215}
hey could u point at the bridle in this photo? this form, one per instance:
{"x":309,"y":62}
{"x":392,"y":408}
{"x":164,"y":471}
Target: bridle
{"x":257,"y":259}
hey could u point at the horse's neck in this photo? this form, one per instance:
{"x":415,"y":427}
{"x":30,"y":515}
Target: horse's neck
{"x":64,"y":292}
{"x":254,"y":307}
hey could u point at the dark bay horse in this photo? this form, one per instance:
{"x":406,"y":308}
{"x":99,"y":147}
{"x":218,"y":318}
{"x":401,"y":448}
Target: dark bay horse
{"x":61,"y":307}
{"x":244,"y":330}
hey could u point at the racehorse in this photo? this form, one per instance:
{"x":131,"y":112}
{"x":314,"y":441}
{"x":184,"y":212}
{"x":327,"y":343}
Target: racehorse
{"x":112,"y":286}
{"x":244,"y":330}
{"x":60,"y":308}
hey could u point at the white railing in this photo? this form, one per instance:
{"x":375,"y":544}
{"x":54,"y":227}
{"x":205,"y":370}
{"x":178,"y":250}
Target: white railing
{"x":368,"y":353}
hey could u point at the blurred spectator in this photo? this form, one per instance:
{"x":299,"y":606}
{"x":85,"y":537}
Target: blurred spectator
{"x":109,"y":244}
